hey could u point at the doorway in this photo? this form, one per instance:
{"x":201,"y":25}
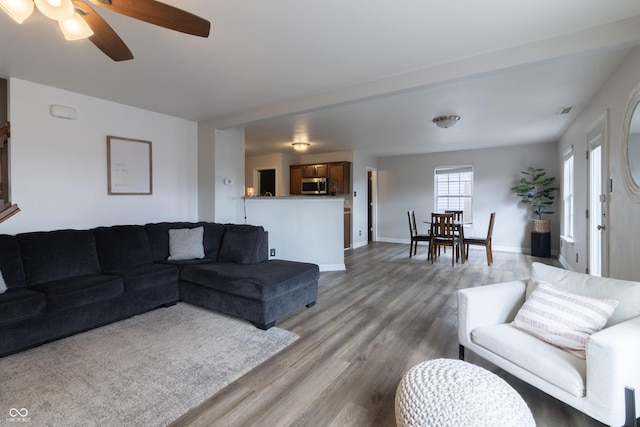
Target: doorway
{"x":372,"y":197}
{"x":266,"y":182}
{"x":598,"y":200}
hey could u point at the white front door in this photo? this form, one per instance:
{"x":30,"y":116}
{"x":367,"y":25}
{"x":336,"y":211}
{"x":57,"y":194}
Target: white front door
{"x":597,"y":222}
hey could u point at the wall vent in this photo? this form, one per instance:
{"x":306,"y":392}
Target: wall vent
{"x":564,"y":110}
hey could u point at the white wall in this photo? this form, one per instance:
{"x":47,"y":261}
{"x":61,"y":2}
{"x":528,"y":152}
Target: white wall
{"x":362,"y":163}
{"x":206,"y":172}
{"x":220,"y":156}
{"x":59,"y":167}
{"x":624,"y":231}
{"x":302,"y":229}
{"x":227,"y":163}
{"x":406,"y":183}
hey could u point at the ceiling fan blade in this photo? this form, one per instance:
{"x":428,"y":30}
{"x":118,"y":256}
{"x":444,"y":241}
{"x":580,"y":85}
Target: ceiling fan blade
{"x":104,"y":37}
{"x":160,"y":14}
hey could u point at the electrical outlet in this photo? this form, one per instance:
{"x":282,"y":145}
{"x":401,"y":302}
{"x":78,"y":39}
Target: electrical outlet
{"x":272,"y":252}
{"x":359,"y":232}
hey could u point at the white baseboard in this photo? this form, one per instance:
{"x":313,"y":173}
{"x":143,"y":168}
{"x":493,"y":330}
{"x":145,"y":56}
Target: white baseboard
{"x":392,"y":240}
{"x":512,"y":249}
{"x":332,"y":267}
{"x":564,"y":263}
{"x":359,"y":245}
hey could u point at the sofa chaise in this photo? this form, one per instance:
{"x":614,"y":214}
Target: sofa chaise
{"x":62,"y":282}
{"x":236,"y":276}
{"x":590,"y":377}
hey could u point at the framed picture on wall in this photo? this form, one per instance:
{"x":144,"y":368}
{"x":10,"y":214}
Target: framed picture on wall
{"x":129,"y":167}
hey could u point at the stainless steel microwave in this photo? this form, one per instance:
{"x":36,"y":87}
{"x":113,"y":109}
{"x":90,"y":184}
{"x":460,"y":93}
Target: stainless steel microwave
{"x":314,"y":185}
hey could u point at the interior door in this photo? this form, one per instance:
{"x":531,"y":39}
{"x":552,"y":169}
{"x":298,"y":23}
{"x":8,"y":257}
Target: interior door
{"x":598,"y":200}
{"x":267,"y":182}
{"x":369,"y":206}
{"x":372,"y":201}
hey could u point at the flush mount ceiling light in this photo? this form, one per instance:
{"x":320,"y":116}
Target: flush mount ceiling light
{"x":446,"y":121}
{"x":78,"y":20}
{"x":301,"y":146}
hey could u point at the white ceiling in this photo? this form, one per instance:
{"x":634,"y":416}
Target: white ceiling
{"x":350,"y":75}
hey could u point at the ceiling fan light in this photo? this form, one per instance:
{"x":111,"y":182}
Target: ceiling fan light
{"x":75,"y":28}
{"x":55,"y":9}
{"x":18,"y":10}
{"x":446,"y":121}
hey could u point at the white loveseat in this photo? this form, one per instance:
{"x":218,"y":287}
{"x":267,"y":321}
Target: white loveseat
{"x":594,"y":385}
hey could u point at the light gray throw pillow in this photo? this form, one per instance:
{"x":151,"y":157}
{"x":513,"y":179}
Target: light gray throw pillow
{"x":186,"y":243}
{"x":3,"y":285}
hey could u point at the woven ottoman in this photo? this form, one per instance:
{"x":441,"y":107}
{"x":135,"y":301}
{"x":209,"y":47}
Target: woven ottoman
{"x":449,"y":392}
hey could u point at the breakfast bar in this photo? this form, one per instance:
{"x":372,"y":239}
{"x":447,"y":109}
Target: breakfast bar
{"x":301,"y":228}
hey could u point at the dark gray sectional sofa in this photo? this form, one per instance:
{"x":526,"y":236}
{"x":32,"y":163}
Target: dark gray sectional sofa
{"x":67,"y":281}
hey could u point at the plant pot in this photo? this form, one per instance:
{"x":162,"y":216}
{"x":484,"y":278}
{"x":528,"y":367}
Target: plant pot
{"x":541,"y":237}
{"x":540,"y":244}
{"x":541,"y":225}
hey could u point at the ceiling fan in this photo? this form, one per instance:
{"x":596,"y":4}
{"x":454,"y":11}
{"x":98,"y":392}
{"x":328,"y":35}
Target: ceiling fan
{"x":78,"y":20}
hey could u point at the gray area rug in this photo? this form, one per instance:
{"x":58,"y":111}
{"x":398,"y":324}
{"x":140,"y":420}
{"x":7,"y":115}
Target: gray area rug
{"x":145,"y":371}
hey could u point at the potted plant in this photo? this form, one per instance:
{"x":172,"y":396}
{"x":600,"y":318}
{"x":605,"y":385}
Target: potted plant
{"x":538,"y":190}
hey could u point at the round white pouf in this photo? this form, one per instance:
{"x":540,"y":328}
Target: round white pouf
{"x":449,"y":392}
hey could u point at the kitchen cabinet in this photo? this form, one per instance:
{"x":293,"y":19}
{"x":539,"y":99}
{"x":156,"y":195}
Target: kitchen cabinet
{"x":295,"y":177}
{"x":338,"y":171}
{"x":341,"y":173}
{"x":314,"y":171}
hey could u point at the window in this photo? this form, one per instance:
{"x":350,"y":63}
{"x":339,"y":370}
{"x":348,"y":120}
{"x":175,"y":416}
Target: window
{"x":454,"y":190}
{"x":567,"y":195}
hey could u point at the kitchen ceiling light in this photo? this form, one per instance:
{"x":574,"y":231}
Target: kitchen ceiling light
{"x":446,"y":121}
{"x":18,"y":10}
{"x":301,"y":146}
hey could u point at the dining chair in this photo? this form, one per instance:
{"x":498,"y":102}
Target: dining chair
{"x":481,"y":241}
{"x":443,"y":233}
{"x":416,"y":237}
{"x":458,"y":216}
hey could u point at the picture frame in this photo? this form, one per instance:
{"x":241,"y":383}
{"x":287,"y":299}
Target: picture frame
{"x":129,"y":166}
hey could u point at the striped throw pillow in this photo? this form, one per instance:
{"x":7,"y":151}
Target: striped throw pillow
{"x":563,"y":319}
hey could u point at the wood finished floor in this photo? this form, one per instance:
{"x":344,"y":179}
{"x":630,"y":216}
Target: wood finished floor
{"x":383,"y":315}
